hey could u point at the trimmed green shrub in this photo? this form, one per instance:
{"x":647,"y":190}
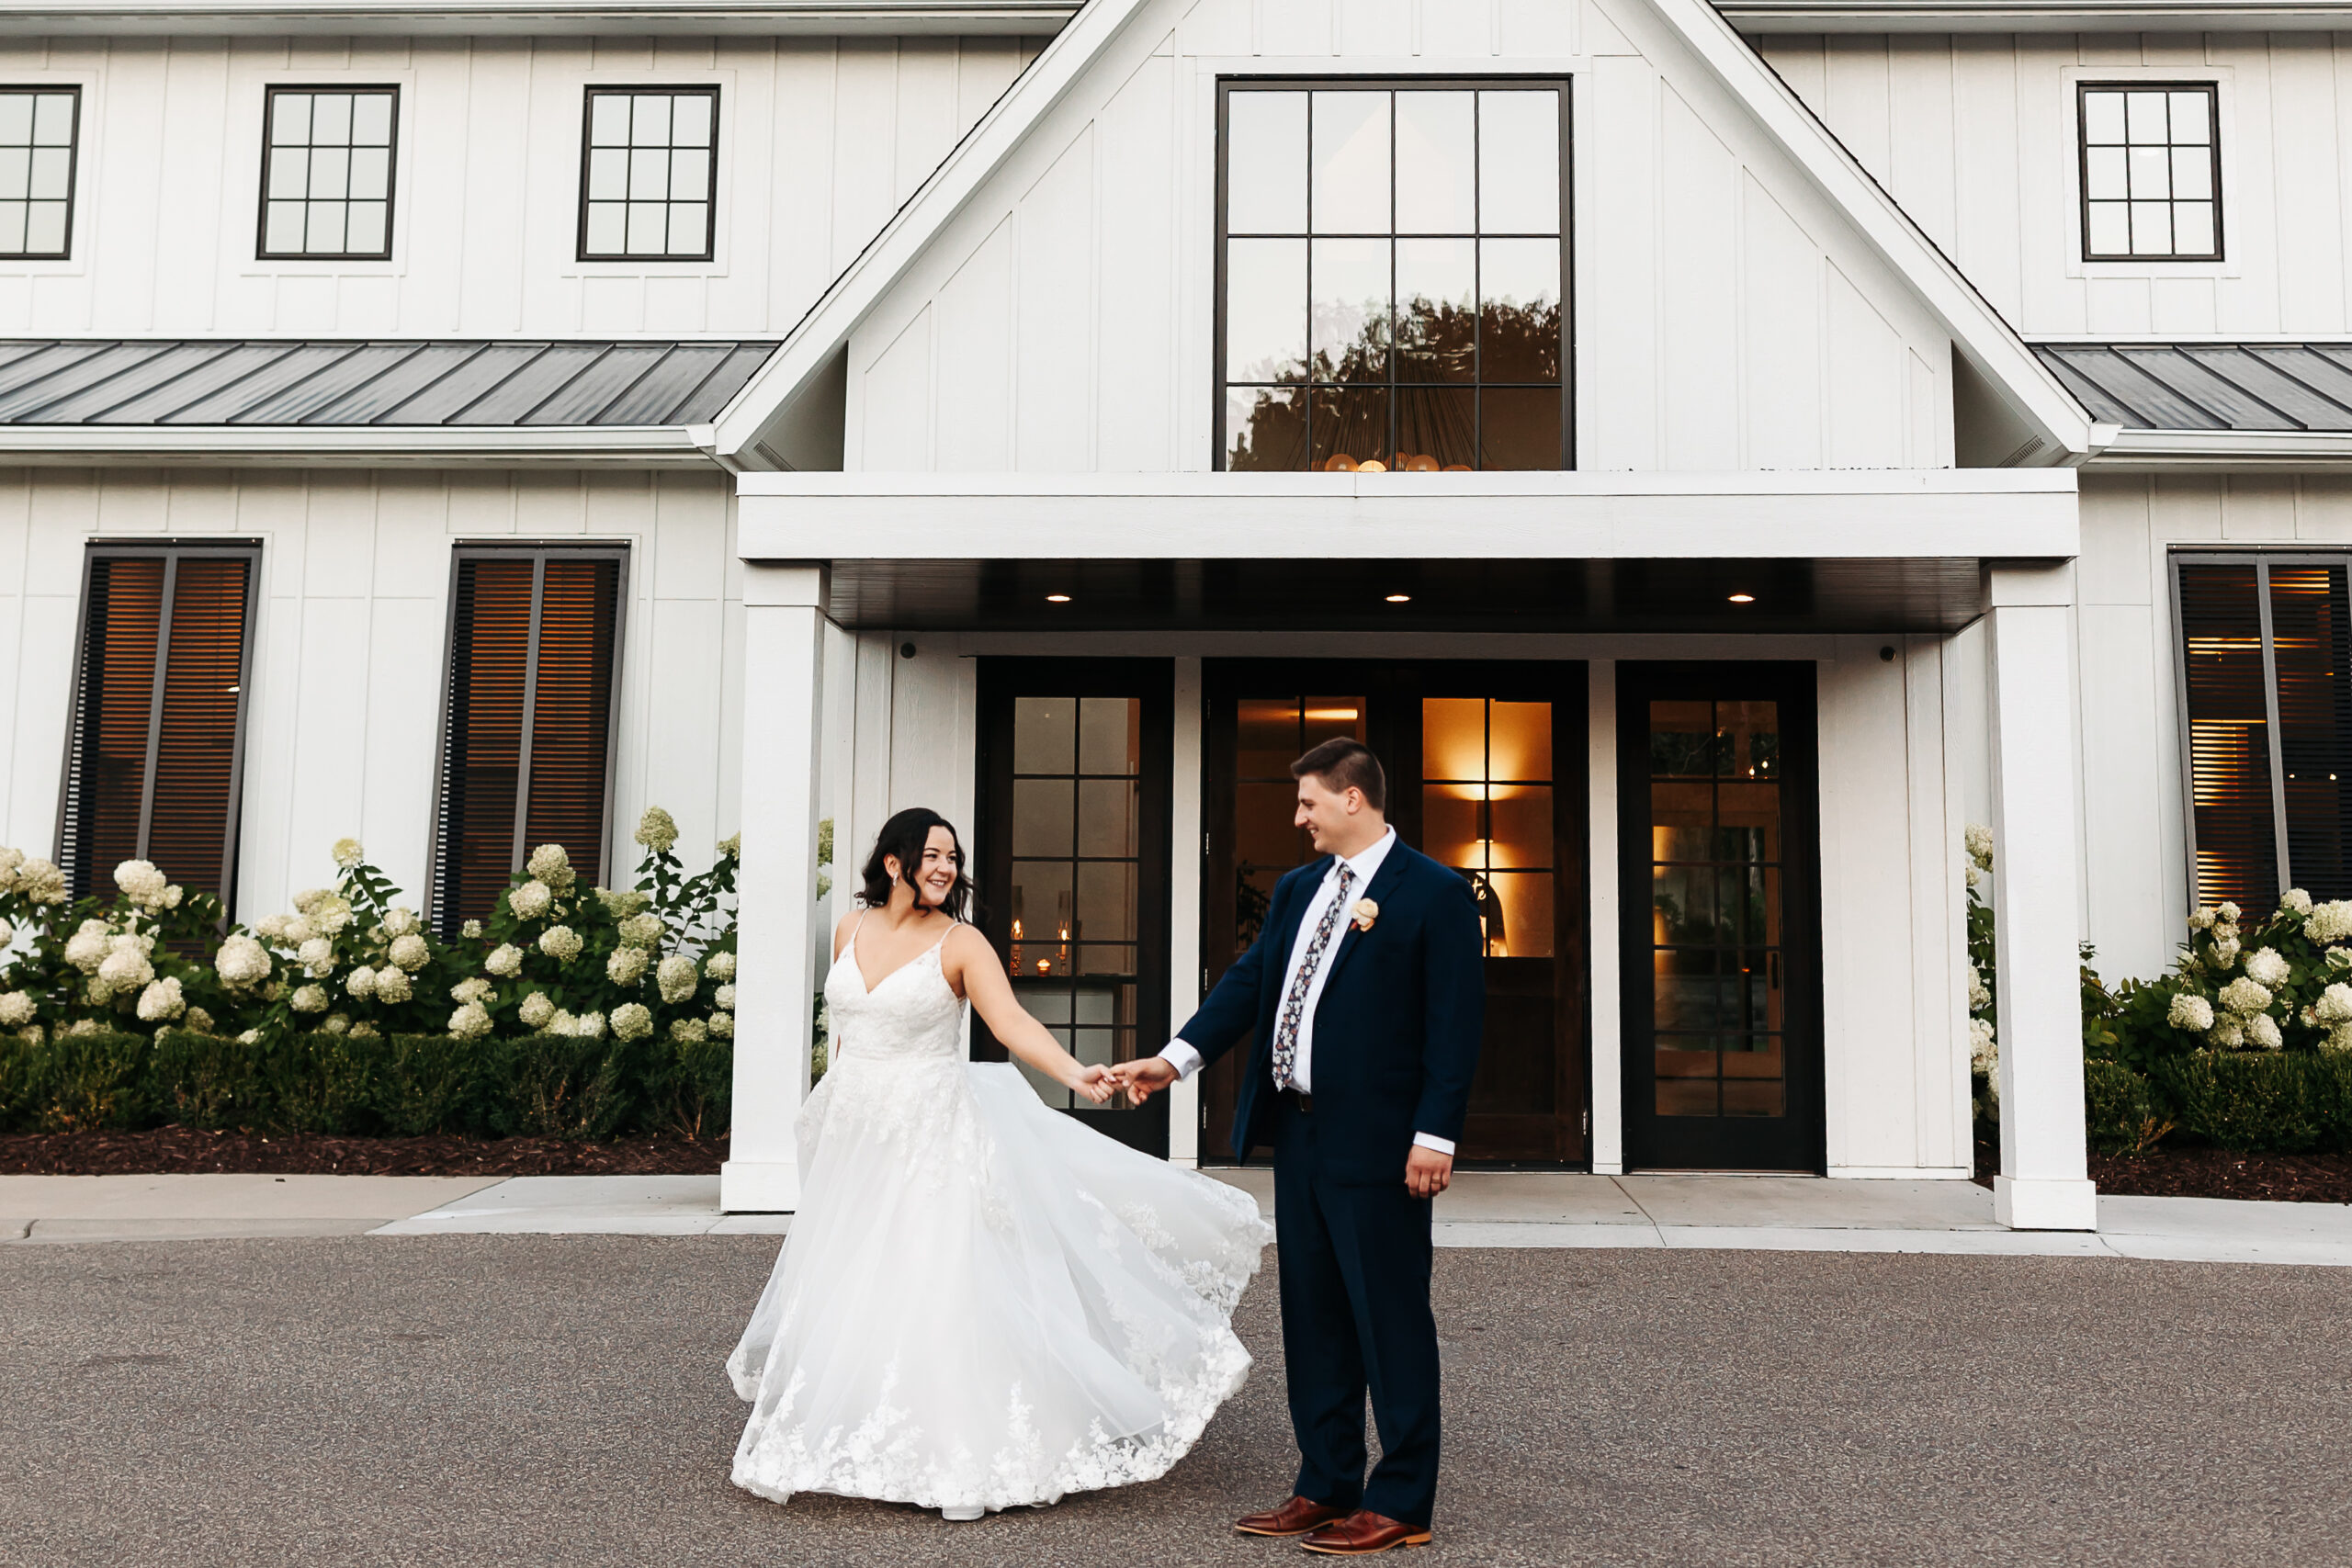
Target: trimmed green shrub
{"x":325,"y":1083}
{"x":432,"y":1083}
{"x":2286,"y":1102}
{"x":560,"y":1085}
{"x":689,"y":1087}
{"x":203,"y":1080}
{"x":93,"y":1082}
{"x":22,"y":1068}
{"x":2119,"y":1111}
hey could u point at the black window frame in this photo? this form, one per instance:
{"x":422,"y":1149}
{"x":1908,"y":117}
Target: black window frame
{"x":2212,"y":89}
{"x":589,"y":95}
{"x":538,"y":551}
{"x":172,"y":551}
{"x":73,"y":167}
{"x":1227,"y":86}
{"x":2262,"y":560}
{"x":270,"y":94}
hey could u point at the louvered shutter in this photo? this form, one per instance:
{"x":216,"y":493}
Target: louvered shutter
{"x":528,"y":741}
{"x":153,"y":772}
{"x":2229,"y":736}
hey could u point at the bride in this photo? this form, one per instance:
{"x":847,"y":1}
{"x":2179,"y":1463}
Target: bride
{"x":982,"y":1303}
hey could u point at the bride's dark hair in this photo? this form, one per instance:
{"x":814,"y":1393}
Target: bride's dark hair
{"x":904,"y":838}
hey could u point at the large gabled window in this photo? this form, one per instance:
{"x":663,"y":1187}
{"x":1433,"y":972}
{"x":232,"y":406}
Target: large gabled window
{"x":2266,"y":705}
{"x":326,"y":172}
{"x":527,"y":708}
{"x":154,"y":757}
{"x":649,"y":173}
{"x":2150,"y":170}
{"x":41,"y":131}
{"x":1392,"y":268}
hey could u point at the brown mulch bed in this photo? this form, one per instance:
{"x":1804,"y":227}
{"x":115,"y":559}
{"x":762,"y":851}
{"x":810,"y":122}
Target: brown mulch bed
{"x":2187,"y":1172}
{"x":180,"y":1150}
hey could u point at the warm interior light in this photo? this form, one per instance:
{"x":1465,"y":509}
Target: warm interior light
{"x":1057,"y":598}
{"x":1743,"y":598}
{"x":1330,"y":715}
{"x":1400,"y":598}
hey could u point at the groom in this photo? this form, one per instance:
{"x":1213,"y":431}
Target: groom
{"x":1365,"y":994}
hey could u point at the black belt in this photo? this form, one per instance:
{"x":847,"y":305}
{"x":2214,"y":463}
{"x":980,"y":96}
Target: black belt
{"x":1299,"y":1100}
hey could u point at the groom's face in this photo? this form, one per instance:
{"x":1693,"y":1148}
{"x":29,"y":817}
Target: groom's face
{"x":1334,"y":820}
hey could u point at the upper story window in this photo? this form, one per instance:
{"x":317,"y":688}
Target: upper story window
{"x":39,"y":127}
{"x":2265,"y":665}
{"x":154,"y":755}
{"x":649,"y":175}
{"x":2151,"y":172}
{"x":527,"y":733}
{"x":327,"y":174}
{"x":1391,"y":271}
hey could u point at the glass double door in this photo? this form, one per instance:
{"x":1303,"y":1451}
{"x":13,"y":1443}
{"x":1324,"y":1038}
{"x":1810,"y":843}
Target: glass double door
{"x":1486,"y":771}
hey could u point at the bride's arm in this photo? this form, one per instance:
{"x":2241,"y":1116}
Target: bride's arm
{"x":972,"y":964}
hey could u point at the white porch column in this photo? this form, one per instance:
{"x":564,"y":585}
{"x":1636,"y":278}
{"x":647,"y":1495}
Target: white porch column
{"x":2044,"y":1183}
{"x":1184,"y":905}
{"x":1607,"y":1143}
{"x":776,"y":978}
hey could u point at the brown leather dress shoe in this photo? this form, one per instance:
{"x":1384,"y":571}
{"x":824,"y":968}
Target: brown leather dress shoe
{"x":1294,"y":1517}
{"x":1363,"y":1533}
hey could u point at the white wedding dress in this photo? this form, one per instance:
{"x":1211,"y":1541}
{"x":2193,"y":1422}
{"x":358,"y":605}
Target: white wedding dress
{"x":982,"y":1303}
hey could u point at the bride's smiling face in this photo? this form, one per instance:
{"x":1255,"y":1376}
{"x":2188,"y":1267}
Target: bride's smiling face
{"x":935,"y":877}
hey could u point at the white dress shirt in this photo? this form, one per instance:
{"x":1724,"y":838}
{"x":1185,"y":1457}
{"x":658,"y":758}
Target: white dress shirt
{"x":1365,"y":863}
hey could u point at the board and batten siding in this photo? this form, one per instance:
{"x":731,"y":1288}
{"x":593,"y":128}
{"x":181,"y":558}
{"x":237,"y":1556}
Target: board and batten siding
{"x":821,"y":140}
{"x":1975,"y":135}
{"x":349,"y":647}
{"x":1725,"y":317}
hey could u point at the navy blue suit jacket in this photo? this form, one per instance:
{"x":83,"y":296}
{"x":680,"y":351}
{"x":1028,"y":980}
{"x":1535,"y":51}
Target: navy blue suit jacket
{"x":1396,"y":1029}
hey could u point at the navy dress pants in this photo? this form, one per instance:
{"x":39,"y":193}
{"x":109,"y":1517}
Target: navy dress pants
{"x":1354,"y":1264}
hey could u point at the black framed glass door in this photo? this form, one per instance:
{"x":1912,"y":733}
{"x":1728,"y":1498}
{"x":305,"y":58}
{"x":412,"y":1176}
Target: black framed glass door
{"x":1074,"y":795}
{"x":1719,"y":857}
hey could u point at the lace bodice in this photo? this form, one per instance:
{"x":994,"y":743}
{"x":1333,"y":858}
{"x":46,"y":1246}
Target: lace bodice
{"x":912,"y":1013}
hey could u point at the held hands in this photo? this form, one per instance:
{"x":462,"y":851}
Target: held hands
{"x":1428,"y":1172}
{"x":1097,"y":1083}
{"x":1145,"y":1077}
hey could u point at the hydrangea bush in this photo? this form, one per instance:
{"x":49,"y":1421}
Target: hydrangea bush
{"x":554,"y":958}
{"x":2275,"y":982}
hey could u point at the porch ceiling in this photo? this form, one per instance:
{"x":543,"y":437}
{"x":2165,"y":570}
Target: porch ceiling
{"x":1905,"y":594}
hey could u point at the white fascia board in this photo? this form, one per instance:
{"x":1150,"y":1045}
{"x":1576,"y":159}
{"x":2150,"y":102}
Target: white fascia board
{"x":537,"y":17}
{"x":861,"y":286}
{"x":1974,"y":326}
{"x":1914,"y":513}
{"x":2206,"y":448}
{"x":1763,"y":17}
{"x":345,"y":446}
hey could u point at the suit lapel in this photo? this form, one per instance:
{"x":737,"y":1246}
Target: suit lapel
{"x":1383,"y":882}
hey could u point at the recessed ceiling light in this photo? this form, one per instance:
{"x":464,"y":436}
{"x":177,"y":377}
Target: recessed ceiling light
{"x":1400,"y":598}
{"x":1057,"y":598}
{"x":1743,"y":598}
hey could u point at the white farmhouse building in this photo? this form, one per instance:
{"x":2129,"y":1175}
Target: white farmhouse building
{"x":1712,"y":454}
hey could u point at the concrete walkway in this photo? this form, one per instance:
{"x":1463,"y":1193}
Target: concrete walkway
{"x":1484,"y":1210}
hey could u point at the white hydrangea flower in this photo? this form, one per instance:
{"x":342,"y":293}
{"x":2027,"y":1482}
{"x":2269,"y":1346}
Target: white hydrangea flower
{"x":2226,"y":912}
{"x":722,"y":1026}
{"x":1982,"y":1053}
{"x":2334,"y":1005}
{"x":15,"y":1009}
{"x":1975,"y":874}
{"x":1978,"y":838}
{"x":141,"y":883}
{"x":536,"y":1010}
{"x":731,"y":846}
{"x":561,"y":1022}
{"x":361,"y":982}
{"x":393,"y":986}
{"x":530,"y":900}
{"x":272,"y":927}
{"x":85,"y":1026}
{"x":274,"y":991}
{"x":632,"y":1021}
{"x":2190,"y":1011}
{"x":347,"y":853}
{"x":364,"y":1030}
{"x":332,"y":913}
{"x":589,"y":1026}
{"x":2339,"y":1040}
{"x":657,"y":830}
{"x":642,"y":930}
{"x":505,"y":961}
{"x":411,"y":953}
{"x":472,"y":989}
{"x":549,"y":864}
{"x":2202,"y":919}
{"x":724,"y":998}
{"x":126,"y":966}
{"x":719,"y":967}
{"x":335,"y":1023}
{"x":470,"y":930}
{"x":1978,"y":995}
{"x":2263,"y":1030}
{"x":309,"y":998}
{"x":2245,"y":996}
{"x":2330,"y":922}
{"x":622,"y":904}
{"x":10,"y":858}
{"x":2228,"y":1032}
{"x":7,"y":933}
{"x":399,"y":920}
{"x":198,"y":1019}
{"x":96,"y":992}
{"x":674,"y":974}
{"x":689,"y":1030}
{"x":162,"y":1000}
{"x":241,"y":961}
{"x":173,"y":894}
{"x":2296,"y":902}
{"x":2267,"y":967}
{"x":86,"y":948}
{"x":560,"y":943}
{"x":626,"y":966}
{"x":40,"y":882}
{"x":470,"y":1022}
{"x":308,"y":899}
{"x":316,"y":957}
{"x":2225,"y":951}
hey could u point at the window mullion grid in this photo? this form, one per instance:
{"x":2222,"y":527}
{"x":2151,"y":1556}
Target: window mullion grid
{"x":530,"y":704}
{"x":2270,"y":725}
{"x":155,"y":701}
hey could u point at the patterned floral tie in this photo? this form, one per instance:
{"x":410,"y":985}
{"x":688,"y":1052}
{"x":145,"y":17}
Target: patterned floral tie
{"x":1295,"y":1004}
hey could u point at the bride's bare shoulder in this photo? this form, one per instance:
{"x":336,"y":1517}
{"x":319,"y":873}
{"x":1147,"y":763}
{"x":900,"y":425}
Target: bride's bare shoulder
{"x":842,"y":931}
{"x":965,"y":944}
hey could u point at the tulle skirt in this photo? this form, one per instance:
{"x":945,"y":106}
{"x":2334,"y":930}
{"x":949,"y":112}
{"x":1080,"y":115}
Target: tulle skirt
{"x":983,"y":1302}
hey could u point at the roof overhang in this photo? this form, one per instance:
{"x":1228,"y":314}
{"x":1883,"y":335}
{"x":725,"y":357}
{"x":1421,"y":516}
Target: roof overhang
{"x":505,"y":446}
{"x":537,"y":17}
{"x":2250,"y":450}
{"x":1760,"y":17}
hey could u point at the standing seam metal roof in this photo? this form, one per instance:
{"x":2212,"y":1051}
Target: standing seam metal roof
{"x":375,"y":383}
{"x":2209,"y":386}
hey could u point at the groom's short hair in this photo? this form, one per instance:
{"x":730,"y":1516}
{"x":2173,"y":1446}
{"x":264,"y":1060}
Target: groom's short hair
{"x":1340,"y":764}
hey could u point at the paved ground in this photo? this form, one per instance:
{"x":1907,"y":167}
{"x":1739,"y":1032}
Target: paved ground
{"x":523,"y":1400}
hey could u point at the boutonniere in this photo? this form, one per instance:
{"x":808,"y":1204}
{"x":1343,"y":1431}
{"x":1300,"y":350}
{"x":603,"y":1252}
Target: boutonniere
{"x":1366,"y":912}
